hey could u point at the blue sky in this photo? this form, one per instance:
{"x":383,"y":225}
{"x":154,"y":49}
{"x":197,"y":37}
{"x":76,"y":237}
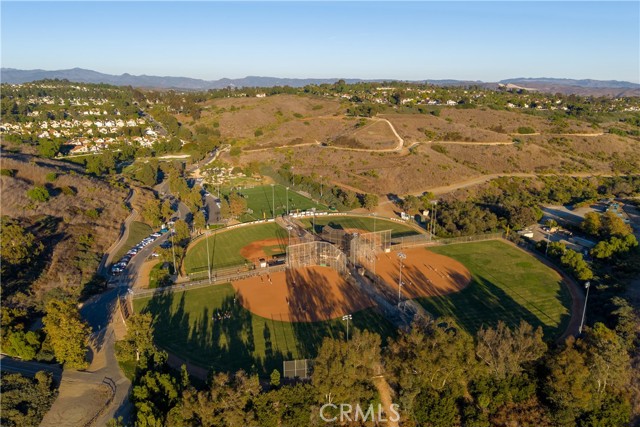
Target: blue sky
{"x":476,"y":40}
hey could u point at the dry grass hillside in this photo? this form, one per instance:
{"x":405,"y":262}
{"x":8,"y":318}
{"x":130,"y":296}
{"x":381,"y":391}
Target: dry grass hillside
{"x":77,"y":224}
{"x":437,"y":150}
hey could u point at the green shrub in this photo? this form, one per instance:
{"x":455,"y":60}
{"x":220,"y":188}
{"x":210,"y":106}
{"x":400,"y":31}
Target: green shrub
{"x":438,"y":148}
{"x":523,"y":130}
{"x":258,"y":133}
{"x":38,"y":194}
{"x":68,"y":191}
{"x":51,"y":176}
{"x":92,"y":213}
{"x":7,"y":172}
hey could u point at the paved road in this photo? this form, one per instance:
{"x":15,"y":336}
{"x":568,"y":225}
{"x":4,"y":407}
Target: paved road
{"x":29,"y":369}
{"x":213,"y":211}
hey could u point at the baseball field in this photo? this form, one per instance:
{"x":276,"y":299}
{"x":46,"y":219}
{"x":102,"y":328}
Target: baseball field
{"x":263,"y":200}
{"x":506,"y":284}
{"x":236,"y":246}
{"x":256,"y":322}
{"x":359,"y":223}
{"x":208,"y":327}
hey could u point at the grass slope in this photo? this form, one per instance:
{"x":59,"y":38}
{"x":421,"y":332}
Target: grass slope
{"x":224,"y":246}
{"x":261,"y":201}
{"x":183,"y":325}
{"x":508,"y":284}
{"x":137,"y":231}
{"x":362,"y":223}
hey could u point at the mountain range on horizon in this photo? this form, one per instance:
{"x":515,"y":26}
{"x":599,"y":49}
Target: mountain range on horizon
{"x":545,"y":84}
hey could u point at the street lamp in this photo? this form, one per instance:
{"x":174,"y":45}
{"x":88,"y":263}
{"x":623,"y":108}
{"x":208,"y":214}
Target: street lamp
{"x":287,"y":200}
{"x":401,"y":256}
{"x":347,"y":317}
{"x":584,"y":310}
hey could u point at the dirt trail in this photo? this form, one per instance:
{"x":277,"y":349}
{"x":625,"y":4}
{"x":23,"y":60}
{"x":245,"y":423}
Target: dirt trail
{"x":386,"y":394}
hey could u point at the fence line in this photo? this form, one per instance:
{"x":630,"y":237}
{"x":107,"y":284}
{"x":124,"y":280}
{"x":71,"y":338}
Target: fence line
{"x":426,"y":240}
{"x":112,"y":387}
{"x":196,"y":284}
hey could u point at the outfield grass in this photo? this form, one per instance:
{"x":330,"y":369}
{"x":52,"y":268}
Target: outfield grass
{"x":362,"y":223}
{"x":224,"y":246}
{"x":183,"y":325}
{"x":261,"y":201}
{"x":508,"y":284}
{"x":137,"y":232}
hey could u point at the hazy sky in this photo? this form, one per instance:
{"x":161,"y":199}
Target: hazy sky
{"x":414,"y":40}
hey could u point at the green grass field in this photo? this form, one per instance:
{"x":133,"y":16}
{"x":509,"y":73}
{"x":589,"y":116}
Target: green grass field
{"x":508,"y":284}
{"x":224,"y":246}
{"x":363,"y":223}
{"x":261,"y":201}
{"x":137,"y":232}
{"x":183,"y":325}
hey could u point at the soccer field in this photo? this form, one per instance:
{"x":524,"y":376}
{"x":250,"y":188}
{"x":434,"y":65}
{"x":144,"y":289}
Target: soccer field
{"x":362,"y":223}
{"x":261,"y":201}
{"x":225,"y":246}
{"x":207,"y":327}
{"x":507,"y":284}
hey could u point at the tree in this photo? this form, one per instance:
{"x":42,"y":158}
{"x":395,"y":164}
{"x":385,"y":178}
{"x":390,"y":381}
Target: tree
{"x":146,"y":174}
{"x":25,"y":401}
{"x":182,"y":233}
{"x":199,"y":222}
{"x":576,"y":263}
{"x":522,"y":216}
{"x":607,"y":360}
{"x":38,"y":194}
{"x":568,"y":385}
{"x":275,"y":379}
{"x":237,"y":204}
{"x":166,"y":211}
{"x":137,"y":344}
{"x":613,"y":225}
{"x":18,"y":245}
{"x":343,"y":369}
{"x":151,"y":212}
{"x":48,"y":148}
{"x":66,"y":332}
{"x":432,"y":358}
{"x":591,"y":223}
{"x":505,"y":351}
{"x":369,"y":201}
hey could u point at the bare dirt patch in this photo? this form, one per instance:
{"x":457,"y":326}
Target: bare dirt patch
{"x":308,"y":294}
{"x":262,"y":249}
{"x":424,"y":273}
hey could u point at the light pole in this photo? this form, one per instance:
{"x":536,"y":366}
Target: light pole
{"x":173,"y":249}
{"x":273,"y":200}
{"x":287,"y":201}
{"x":293,"y":181}
{"x":433,"y":217}
{"x":401,"y":256}
{"x":584,"y":310}
{"x":206,"y":240}
{"x":347,"y":317}
{"x":321,"y":182}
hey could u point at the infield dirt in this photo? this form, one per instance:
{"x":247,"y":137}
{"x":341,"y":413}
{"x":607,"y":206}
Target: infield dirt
{"x":307,"y":294}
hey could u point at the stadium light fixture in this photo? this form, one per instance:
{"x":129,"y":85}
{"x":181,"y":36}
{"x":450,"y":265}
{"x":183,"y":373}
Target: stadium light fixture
{"x":347,"y":317}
